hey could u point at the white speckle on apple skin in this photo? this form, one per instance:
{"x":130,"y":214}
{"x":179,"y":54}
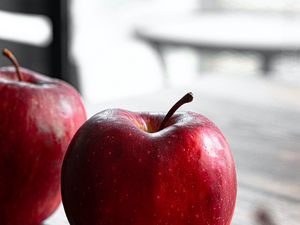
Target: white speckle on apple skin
{"x":58,"y":128}
{"x":59,"y":131}
{"x":42,"y":126}
{"x":65,"y":106}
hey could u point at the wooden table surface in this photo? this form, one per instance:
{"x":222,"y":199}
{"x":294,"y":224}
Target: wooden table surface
{"x":257,"y":32}
{"x":266,"y":34}
{"x":265,"y":143}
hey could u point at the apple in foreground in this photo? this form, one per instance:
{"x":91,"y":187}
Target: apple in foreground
{"x":127,"y":168}
{"x":38,"y":118}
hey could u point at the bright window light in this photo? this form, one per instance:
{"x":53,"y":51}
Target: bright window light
{"x":31,"y":29}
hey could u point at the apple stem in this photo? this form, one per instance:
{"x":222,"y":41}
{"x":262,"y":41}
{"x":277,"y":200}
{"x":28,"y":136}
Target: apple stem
{"x":14,"y":61}
{"x":185,"y":99}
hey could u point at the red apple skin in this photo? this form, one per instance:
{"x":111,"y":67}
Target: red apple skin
{"x":38,"y":118}
{"x":119,"y":171}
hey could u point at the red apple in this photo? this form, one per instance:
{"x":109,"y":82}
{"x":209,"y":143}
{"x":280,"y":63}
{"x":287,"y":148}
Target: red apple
{"x":127,"y":168}
{"x":38,"y":118}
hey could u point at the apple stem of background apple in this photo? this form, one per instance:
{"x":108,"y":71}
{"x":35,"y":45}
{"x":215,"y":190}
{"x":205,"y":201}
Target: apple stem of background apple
{"x":14,"y":61}
{"x":185,"y":99}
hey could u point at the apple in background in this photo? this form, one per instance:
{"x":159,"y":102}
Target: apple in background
{"x":127,"y":168}
{"x":38,"y":118}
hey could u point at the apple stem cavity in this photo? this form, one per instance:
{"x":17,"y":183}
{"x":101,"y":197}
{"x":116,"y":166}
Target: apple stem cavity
{"x":14,"y":61}
{"x":185,"y":99}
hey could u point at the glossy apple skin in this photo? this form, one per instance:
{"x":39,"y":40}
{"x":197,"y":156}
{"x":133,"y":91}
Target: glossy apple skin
{"x":38,"y":118}
{"x":119,"y":171}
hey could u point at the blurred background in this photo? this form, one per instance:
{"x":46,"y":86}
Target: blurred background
{"x":119,"y":48}
{"x":241,"y":57}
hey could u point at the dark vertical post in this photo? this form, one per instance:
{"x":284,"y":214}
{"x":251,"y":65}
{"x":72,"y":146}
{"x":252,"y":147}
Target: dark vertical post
{"x":267,"y":59}
{"x":158,"y":48}
{"x":63,"y":68}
